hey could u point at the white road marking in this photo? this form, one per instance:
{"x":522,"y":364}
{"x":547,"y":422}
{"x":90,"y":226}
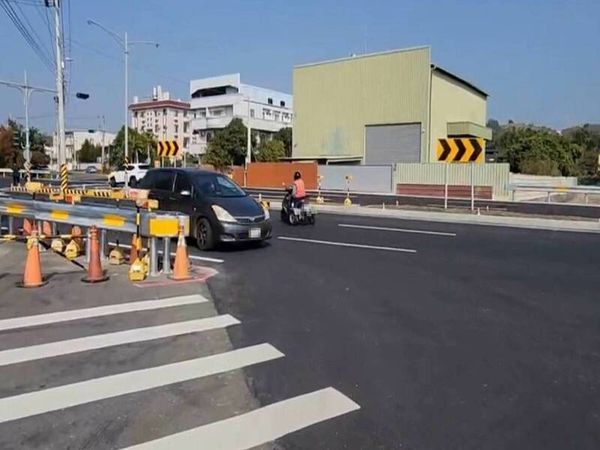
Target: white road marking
{"x":347,"y":244}
{"x":160,"y":252}
{"x":99,"y":311}
{"x":32,"y":403}
{"x":399,"y":230}
{"x":259,"y":426}
{"x":51,"y":349}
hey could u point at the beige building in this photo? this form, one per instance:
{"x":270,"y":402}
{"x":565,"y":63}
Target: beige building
{"x":165,"y":118}
{"x":382,"y":108}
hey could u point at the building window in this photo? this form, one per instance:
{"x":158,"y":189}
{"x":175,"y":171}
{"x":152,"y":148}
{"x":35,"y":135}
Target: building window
{"x":186,"y":127}
{"x":176,"y":113}
{"x":266,"y":113}
{"x":142,"y":114}
{"x":186,"y":142}
{"x":135,"y":114}
{"x":251,"y":112}
{"x":156,"y":128}
{"x":270,"y":101}
{"x":276,"y":116}
{"x":165,"y":111}
{"x":282,"y":104}
{"x":185,"y":114}
{"x":175,"y":136}
{"x":176,"y":128}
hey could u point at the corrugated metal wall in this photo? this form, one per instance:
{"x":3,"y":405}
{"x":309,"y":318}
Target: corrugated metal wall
{"x":334,"y":101}
{"x":495,"y":175}
{"x":375,"y":179}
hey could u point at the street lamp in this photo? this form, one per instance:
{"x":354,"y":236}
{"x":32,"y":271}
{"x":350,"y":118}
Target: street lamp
{"x":124,"y":43}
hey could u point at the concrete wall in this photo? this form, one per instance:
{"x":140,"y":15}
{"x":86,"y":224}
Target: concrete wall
{"x":452,"y":101}
{"x":334,"y":101}
{"x":495,"y":175}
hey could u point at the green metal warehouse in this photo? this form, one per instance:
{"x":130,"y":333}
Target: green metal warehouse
{"x":382,"y":108}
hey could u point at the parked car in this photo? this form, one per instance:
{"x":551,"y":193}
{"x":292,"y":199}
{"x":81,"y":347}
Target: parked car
{"x":219,"y":210}
{"x":135,"y":172}
{"x":91,"y":169}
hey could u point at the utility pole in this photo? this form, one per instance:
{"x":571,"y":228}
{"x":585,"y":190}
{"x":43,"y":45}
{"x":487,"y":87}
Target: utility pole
{"x":103,"y":129}
{"x":60,"y":85}
{"x":248,"y":137}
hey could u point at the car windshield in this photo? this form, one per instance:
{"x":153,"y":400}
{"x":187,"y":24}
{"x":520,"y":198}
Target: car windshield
{"x":217,"y":186}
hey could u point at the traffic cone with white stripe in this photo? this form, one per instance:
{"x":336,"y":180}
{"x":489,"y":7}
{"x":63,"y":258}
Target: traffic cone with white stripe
{"x":32,"y":275}
{"x":181,"y":267}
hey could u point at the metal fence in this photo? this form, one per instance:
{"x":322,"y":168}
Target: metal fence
{"x":371,"y":179}
{"x":494,"y":176}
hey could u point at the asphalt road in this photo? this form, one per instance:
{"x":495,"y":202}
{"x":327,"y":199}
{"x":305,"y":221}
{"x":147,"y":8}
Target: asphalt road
{"x":466,"y":338}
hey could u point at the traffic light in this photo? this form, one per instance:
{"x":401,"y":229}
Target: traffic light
{"x":16,"y":139}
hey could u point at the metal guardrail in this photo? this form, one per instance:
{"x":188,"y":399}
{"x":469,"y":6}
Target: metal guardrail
{"x":107,"y":217}
{"x":586,"y":191}
{"x":36,"y":174}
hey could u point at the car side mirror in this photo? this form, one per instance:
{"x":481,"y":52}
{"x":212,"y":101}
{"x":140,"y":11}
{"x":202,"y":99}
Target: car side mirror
{"x":186,"y":193}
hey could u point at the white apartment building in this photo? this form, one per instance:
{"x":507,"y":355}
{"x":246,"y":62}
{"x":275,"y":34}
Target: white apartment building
{"x":165,"y":118}
{"x":74,"y":139}
{"x":216,"y":101}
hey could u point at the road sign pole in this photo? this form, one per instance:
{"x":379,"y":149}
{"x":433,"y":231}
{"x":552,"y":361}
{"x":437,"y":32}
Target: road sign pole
{"x":446,"y":185}
{"x":472,"y":187}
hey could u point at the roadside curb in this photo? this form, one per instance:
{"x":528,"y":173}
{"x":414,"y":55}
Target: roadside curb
{"x":530,"y":223}
{"x":467,"y":219}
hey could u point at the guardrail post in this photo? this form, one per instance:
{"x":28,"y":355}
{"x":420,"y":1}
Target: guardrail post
{"x":166,"y":268}
{"x":548,"y":196}
{"x":11,"y":225}
{"x":153,"y":257}
{"x":512,"y":194}
{"x":446,"y":185}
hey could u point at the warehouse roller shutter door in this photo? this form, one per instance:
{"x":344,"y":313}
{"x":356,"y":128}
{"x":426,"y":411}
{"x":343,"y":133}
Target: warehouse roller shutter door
{"x":390,"y":144}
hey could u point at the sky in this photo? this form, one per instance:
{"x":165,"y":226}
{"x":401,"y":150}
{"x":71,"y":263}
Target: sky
{"x":538,"y":59}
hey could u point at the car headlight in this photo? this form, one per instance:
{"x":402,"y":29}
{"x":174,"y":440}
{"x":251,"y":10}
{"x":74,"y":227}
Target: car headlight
{"x":222,"y":214}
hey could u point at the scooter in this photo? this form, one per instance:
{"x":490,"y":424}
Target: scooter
{"x":300,"y":214}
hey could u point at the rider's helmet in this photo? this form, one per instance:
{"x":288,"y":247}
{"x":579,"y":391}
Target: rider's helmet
{"x":297,"y":175}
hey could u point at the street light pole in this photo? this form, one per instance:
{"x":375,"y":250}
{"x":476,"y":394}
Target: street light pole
{"x":125,"y":43}
{"x":126,"y":47}
{"x":26,"y":89}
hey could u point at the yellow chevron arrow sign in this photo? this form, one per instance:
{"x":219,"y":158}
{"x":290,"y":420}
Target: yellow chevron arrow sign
{"x":167,"y":148}
{"x":461,"y":150}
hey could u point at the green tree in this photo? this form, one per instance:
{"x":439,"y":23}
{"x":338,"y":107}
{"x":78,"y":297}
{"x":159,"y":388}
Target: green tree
{"x":89,"y":153}
{"x":539,"y":151}
{"x":285,"y":136}
{"x":140,"y":144}
{"x":269,"y":151}
{"x":590,"y":142}
{"x":228,"y":146}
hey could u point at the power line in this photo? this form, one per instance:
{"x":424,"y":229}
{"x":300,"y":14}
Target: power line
{"x":16,"y":20}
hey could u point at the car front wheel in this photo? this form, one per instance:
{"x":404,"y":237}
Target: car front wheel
{"x":205,"y":238}
{"x":112,"y":182}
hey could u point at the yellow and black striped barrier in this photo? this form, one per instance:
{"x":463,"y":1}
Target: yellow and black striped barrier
{"x":461,"y":150}
{"x":64,"y":177}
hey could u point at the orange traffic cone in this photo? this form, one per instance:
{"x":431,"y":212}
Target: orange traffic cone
{"x":95,"y":273}
{"x":133,"y":253}
{"x":76,"y":235}
{"x":181,"y":268}
{"x":32,"y":276}
{"x":27,"y":227}
{"x":46,"y":229}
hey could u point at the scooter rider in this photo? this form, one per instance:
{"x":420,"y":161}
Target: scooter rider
{"x":298,"y":190}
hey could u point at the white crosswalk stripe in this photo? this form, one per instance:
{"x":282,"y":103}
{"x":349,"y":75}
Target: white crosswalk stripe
{"x":119,"y":308}
{"x":259,"y":426}
{"x":242,"y":431}
{"x":52,"y":349}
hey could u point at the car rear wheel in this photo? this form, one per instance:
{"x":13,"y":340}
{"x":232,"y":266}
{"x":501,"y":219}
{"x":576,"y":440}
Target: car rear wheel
{"x":132,"y":182}
{"x":112,"y":182}
{"x":205,"y":238}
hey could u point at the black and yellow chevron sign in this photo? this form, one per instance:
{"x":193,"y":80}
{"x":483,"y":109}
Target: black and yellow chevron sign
{"x":461,"y":150}
{"x":64,"y":177}
{"x":167,"y":148}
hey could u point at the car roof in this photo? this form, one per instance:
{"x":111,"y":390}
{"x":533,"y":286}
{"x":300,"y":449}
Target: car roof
{"x":187,"y":170}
